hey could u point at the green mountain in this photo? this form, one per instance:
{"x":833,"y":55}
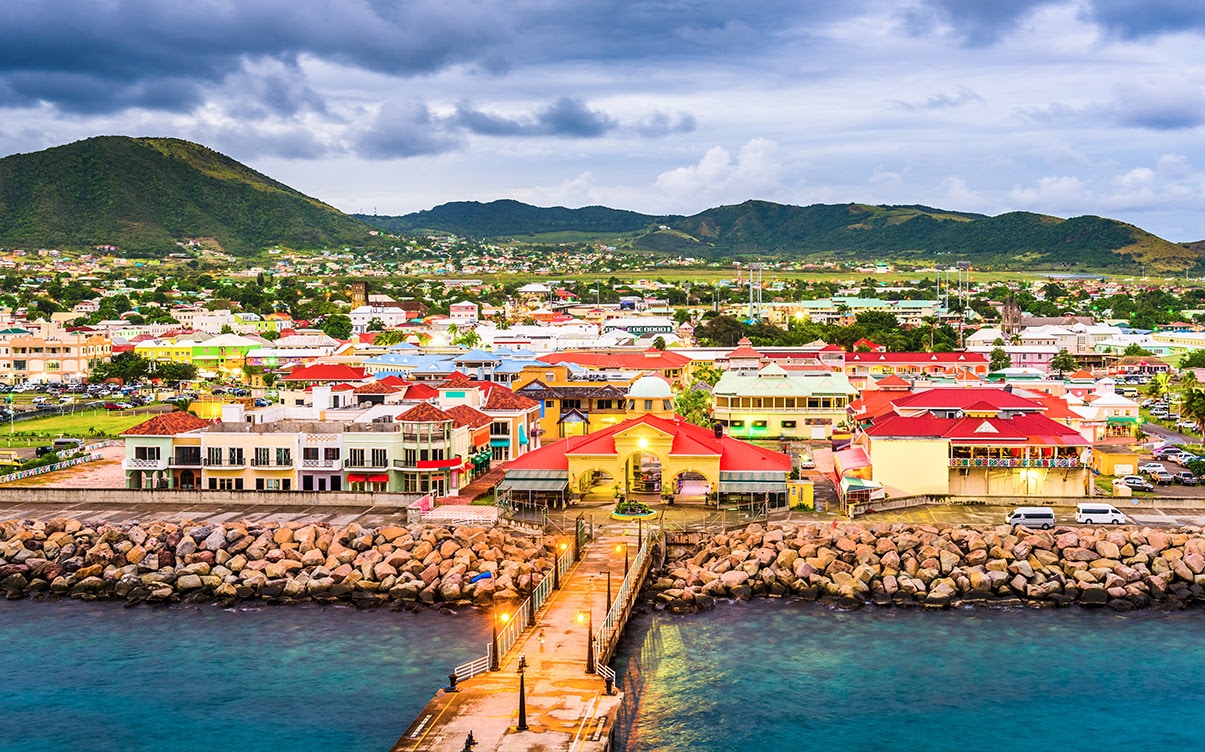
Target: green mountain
{"x":827,"y":231}
{"x":507,"y":218}
{"x":144,"y":194}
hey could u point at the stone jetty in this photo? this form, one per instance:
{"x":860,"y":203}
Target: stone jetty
{"x":920,"y":565}
{"x":162,"y":562}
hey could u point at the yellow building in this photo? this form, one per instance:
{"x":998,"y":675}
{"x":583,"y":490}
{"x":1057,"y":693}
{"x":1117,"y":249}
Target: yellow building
{"x":653,"y":454}
{"x":572,"y":405}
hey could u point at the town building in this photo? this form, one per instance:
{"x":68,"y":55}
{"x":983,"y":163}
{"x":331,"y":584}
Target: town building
{"x":774,"y":403}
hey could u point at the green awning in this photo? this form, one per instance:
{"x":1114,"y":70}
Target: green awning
{"x":534,"y":484}
{"x":499,"y":442}
{"x":1120,"y":419}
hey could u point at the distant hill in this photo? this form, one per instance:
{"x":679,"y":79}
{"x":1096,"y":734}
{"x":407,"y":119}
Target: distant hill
{"x":827,"y":231}
{"x":143,"y":194}
{"x":505,"y":218}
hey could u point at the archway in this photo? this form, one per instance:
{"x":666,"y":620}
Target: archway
{"x":642,"y":471}
{"x":187,"y":479}
{"x":690,"y":487}
{"x":597,"y":484}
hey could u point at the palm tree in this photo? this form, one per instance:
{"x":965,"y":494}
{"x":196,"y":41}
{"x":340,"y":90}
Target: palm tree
{"x":1193,"y":408}
{"x":1159,"y":386}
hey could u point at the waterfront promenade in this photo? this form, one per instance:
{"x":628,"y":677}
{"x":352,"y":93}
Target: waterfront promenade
{"x":566,"y":707}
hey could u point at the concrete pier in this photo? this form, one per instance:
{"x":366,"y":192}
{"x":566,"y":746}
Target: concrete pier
{"x":566,"y":707}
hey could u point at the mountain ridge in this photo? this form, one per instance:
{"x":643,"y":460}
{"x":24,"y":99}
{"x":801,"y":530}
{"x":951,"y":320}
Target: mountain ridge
{"x":826,"y":231}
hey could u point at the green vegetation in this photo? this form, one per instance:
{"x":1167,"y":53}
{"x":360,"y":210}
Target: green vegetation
{"x":145,"y":194}
{"x":82,"y":424}
{"x":839,"y":232}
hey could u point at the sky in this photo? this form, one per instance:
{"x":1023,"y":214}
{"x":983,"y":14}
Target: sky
{"x":661,"y":107}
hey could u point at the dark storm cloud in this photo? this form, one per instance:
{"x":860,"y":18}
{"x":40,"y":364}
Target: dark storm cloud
{"x":405,"y":131}
{"x":90,"y":56}
{"x":1133,"y":19}
{"x":977,"y":22}
{"x":567,"y":116}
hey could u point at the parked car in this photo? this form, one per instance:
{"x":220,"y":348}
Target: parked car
{"x":1136,"y":482}
{"x":1186,"y":478}
{"x":1151,"y":467}
{"x":114,"y":405}
{"x":1165,"y":453}
{"x":1162,"y":478}
{"x":1188,"y":425}
{"x":1184,"y":458}
{"x":1096,"y":513}
{"x":806,"y":462}
{"x":261,"y":402}
{"x":1039,"y":517}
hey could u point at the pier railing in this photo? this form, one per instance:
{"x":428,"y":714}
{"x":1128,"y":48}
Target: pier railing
{"x":605,"y":638}
{"x":523,"y":618}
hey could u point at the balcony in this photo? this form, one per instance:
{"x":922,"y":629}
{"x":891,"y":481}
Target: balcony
{"x":211,"y":462}
{"x":186,"y":460}
{"x":1009,"y":462}
{"x":159,"y":464}
{"x":366,"y":465}
{"x":319,"y":463}
{"x":429,"y":465}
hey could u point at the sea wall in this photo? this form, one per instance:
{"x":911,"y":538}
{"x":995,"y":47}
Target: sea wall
{"x":921,"y":565}
{"x":162,"y":562}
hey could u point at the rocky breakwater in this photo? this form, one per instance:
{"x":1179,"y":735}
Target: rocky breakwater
{"x":911,"y":565}
{"x":163,"y":562}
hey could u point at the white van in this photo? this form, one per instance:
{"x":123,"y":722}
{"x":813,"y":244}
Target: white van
{"x":1099,"y":514}
{"x":1039,"y":517}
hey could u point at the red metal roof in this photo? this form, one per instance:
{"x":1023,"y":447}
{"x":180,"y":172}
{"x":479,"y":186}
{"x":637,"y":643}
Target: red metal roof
{"x":649,"y":359}
{"x":959,"y":398}
{"x":1019,"y":430}
{"x":167,"y":424}
{"x":966,"y":358}
{"x":326,"y":372}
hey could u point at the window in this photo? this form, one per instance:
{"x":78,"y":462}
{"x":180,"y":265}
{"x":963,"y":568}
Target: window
{"x":355,"y":458}
{"x":213,"y":456}
{"x":146,"y":453}
{"x":648,"y":405}
{"x":261,"y":456}
{"x":759,"y":424}
{"x":604,"y":404}
{"x":500,"y":428}
{"x":284,"y":456}
{"x":571,"y":404}
{"x":331,"y":453}
{"x":52,"y":365}
{"x":227,"y":484}
{"x":380,"y":458}
{"x":410,"y":458}
{"x":236,"y":456}
{"x":309,"y":453}
{"x":788,"y":424}
{"x":737,"y":424}
{"x":18,"y":365}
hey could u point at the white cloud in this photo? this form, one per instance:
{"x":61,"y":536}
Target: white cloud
{"x":718,"y":177}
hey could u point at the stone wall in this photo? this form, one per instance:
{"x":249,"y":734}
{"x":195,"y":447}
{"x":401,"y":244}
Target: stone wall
{"x":910,"y":565}
{"x":163,"y":562}
{"x":165,"y":497}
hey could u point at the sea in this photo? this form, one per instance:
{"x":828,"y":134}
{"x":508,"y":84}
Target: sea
{"x":759,"y":675}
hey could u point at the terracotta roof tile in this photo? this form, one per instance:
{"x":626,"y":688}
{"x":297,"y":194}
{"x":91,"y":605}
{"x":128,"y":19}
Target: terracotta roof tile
{"x":424,"y":412}
{"x":504,"y":399}
{"x":168,"y":424}
{"x":464,"y":415}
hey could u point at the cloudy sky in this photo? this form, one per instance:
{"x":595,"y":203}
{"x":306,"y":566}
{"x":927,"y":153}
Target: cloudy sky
{"x":659,"y":106}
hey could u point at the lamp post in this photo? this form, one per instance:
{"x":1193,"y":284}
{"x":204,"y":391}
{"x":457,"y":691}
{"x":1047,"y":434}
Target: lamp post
{"x":624,"y":546}
{"x":588,"y":617}
{"x":608,"y":591}
{"x":556,"y":565}
{"x":522,"y":706}
{"x":494,"y":663}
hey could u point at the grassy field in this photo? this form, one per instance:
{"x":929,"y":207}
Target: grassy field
{"x":82,"y":424}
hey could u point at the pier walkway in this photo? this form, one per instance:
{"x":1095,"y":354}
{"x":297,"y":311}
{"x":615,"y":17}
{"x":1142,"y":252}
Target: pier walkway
{"x":566,"y":708}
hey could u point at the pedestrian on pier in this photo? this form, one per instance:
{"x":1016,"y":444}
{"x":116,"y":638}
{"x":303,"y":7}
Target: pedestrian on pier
{"x":540,"y":636}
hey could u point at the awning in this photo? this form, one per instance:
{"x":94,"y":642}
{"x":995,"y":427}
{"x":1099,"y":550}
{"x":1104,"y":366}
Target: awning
{"x":536,"y":480}
{"x":437,"y":464}
{"x":499,"y":442}
{"x":357,"y":478}
{"x":752,"y":482}
{"x":379,"y":478}
{"x":534,"y":484}
{"x":1120,"y":419}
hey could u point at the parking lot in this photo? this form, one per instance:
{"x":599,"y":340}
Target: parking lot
{"x":959,"y":514}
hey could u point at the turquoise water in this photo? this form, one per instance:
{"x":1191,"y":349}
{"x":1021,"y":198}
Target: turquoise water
{"x":97,"y":677}
{"x":767,"y":676}
{"x":777,"y":675}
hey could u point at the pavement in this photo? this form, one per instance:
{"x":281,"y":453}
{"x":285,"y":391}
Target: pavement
{"x":566,"y":708}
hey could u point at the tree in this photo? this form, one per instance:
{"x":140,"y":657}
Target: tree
{"x":1159,"y":386}
{"x":337,"y":325}
{"x":390,"y":337}
{"x":1137,"y":349}
{"x":1063,"y":362}
{"x":999,"y":360}
{"x":659,"y":342}
{"x":375,"y":324}
{"x":227,"y":329}
{"x":1193,"y":359}
{"x":705,"y":373}
{"x":694,"y":405}
{"x":469,"y":338}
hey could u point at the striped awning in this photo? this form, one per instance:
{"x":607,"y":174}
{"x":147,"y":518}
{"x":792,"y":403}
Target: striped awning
{"x":752,"y":482}
{"x":535,"y":480}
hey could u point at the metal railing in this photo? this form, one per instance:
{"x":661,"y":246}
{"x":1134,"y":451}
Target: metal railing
{"x":319,"y":463}
{"x":603,"y":641}
{"x":523,"y":617}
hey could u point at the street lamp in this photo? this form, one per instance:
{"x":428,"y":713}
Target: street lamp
{"x":556,"y":565}
{"x":608,"y":591}
{"x":522,"y":706}
{"x":505,"y":617}
{"x":588,"y":617}
{"x":624,"y":546}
